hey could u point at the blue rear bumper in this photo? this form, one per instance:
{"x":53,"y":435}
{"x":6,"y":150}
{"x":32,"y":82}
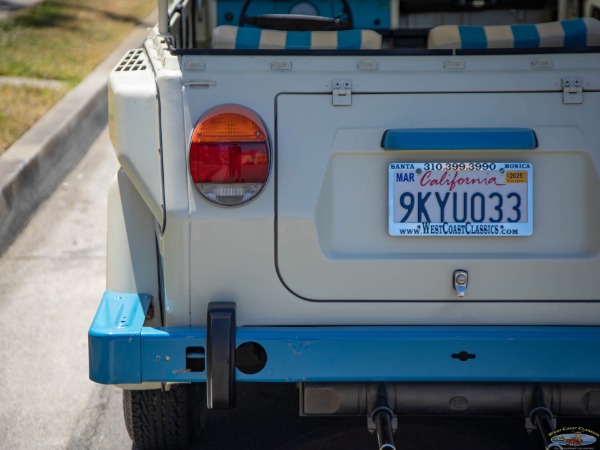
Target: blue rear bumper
{"x":122,"y":351}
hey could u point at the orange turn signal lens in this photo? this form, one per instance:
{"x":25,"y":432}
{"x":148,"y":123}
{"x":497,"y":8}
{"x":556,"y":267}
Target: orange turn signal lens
{"x":228,"y":127}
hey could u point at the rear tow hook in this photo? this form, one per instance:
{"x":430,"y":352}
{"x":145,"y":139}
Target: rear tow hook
{"x":383,"y":422}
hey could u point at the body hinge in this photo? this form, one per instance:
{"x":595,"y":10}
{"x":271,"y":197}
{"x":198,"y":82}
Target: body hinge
{"x":342,"y":93}
{"x":572,"y":90}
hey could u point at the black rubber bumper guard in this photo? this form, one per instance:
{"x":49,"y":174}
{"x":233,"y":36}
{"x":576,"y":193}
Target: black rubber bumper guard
{"x":220,"y":364}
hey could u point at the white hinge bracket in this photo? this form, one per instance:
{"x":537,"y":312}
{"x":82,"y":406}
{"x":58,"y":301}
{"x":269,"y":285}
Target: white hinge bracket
{"x":572,"y":90}
{"x":342,"y":93}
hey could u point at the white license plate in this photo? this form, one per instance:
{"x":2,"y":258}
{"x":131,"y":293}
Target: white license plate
{"x":460,"y":199}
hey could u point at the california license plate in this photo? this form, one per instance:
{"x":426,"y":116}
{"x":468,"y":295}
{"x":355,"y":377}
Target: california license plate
{"x":460,"y":199}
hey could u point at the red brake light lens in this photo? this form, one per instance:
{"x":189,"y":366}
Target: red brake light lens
{"x":229,"y":155}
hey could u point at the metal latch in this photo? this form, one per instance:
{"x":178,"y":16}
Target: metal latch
{"x":572,"y":90}
{"x":342,"y":93}
{"x":460,"y":280}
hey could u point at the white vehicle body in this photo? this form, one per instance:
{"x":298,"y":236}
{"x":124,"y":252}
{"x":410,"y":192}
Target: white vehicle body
{"x":308,"y":271}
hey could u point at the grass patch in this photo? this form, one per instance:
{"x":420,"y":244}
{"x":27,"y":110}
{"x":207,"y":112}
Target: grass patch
{"x":22,"y":107}
{"x":58,"y":40}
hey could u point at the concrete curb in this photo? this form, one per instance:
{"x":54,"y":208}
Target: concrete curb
{"x":34,"y":165}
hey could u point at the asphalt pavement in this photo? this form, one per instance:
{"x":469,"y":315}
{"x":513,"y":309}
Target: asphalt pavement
{"x":34,"y":165}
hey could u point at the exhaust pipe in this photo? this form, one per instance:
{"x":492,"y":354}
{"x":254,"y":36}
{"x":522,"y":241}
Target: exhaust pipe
{"x":382,"y":421}
{"x":541,"y":418}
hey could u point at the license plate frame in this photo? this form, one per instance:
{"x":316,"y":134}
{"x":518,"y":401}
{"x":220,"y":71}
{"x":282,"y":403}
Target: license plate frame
{"x":481,"y":199}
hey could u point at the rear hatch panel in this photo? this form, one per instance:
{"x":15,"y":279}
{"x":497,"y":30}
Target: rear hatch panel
{"x":332,"y":203}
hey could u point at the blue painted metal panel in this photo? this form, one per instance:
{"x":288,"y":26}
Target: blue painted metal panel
{"x":114,"y":338}
{"x":459,"y":139}
{"x":368,"y":14}
{"x":544,"y":354}
{"x":164,"y":353}
{"x":374,"y":15}
{"x":122,"y":350}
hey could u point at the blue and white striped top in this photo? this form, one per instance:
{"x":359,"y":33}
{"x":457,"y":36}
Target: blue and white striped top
{"x":232,"y":37}
{"x":566,"y":33}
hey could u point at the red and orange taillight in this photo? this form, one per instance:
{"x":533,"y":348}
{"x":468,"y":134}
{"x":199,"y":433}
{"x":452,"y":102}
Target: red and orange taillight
{"x":229,"y":155}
